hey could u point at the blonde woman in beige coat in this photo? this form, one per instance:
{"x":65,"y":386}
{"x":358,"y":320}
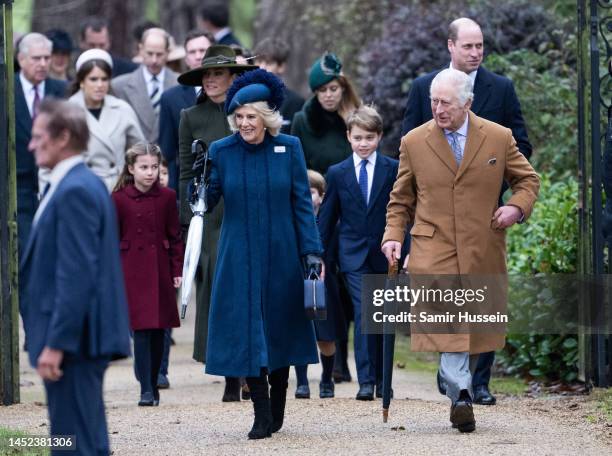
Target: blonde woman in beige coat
{"x":113,"y":125}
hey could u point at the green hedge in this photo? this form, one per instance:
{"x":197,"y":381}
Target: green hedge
{"x":546,"y":244}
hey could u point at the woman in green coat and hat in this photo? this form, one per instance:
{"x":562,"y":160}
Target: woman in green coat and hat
{"x":206,"y":121}
{"x":321,"y":127}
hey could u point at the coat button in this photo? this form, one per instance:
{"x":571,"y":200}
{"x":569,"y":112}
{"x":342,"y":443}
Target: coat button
{"x":138,"y":215}
{"x":139,"y":230}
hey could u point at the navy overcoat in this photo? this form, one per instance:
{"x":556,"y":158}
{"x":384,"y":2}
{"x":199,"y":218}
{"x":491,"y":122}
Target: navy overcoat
{"x":71,"y":292}
{"x":257,"y":316}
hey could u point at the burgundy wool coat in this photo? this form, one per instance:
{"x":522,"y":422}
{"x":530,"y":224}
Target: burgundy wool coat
{"x":151,"y":254}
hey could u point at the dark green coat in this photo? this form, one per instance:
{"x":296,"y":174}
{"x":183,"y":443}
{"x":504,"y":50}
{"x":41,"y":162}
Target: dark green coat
{"x":205,"y":121}
{"x":323,"y":136}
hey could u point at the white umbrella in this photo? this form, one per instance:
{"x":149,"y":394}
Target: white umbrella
{"x":196,"y":226}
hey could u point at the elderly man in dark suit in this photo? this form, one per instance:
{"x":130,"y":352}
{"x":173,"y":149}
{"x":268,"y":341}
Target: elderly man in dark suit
{"x":494,"y":100}
{"x":177,"y":98}
{"x":143,"y":87}
{"x":32,"y":84}
{"x":72,"y":297}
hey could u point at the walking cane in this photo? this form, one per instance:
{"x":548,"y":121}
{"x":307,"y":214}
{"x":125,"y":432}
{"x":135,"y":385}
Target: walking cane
{"x":388,"y":343}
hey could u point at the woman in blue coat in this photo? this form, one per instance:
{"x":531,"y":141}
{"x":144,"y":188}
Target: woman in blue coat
{"x":257,"y":323}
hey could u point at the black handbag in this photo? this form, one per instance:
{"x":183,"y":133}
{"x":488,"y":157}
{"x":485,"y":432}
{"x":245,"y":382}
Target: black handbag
{"x":314,"y":298}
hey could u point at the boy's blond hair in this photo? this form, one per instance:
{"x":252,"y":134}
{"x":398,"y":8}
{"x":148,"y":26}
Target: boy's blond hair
{"x":316,"y":181}
{"x":367,"y":118}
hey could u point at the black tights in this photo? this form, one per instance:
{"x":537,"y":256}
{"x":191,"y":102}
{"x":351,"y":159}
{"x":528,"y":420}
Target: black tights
{"x":148,"y":352}
{"x":278,"y":380}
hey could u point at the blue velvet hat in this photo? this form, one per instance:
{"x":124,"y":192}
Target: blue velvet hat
{"x":255,"y":85}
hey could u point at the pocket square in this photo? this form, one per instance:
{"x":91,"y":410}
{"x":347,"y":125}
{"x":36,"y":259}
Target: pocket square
{"x":492,"y":161}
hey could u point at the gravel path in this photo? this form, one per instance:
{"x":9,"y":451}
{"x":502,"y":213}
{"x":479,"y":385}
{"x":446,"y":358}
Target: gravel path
{"x":192,"y":420}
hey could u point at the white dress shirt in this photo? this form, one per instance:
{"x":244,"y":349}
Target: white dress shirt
{"x":461,"y":135}
{"x":28,"y":91}
{"x":472,"y":75}
{"x":148,"y":77}
{"x":369,"y":168}
{"x":54,"y":178}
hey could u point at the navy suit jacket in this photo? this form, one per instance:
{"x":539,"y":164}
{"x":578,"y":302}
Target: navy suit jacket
{"x":173,"y":101}
{"x":72,"y":295}
{"x":360,"y":228}
{"x":494,"y":99}
{"x":229,"y":39}
{"x":27,"y":172}
{"x":122,"y":66}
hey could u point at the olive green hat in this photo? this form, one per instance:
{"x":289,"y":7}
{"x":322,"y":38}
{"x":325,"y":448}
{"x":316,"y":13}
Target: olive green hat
{"x":325,"y":69}
{"x":217,"y":56}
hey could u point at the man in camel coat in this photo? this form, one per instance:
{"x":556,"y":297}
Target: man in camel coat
{"x":451,"y":169}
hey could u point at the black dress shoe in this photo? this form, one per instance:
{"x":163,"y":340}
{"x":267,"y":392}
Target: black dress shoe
{"x":232,"y":390}
{"x":441,"y":389}
{"x":162,"y":381}
{"x":302,"y":392}
{"x":482,"y":396}
{"x":146,"y":399}
{"x":462,"y":415}
{"x":379,"y":392}
{"x":342,"y":375}
{"x":326,"y":390}
{"x":366,"y":392}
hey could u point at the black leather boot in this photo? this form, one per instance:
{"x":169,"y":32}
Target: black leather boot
{"x":278,"y":396}
{"x":261,"y":407}
{"x":232,"y":390}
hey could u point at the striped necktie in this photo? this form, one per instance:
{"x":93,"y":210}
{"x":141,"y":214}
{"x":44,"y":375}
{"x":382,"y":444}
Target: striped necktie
{"x":363,"y":180}
{"x":155,"y":94}
{"x":456,"y":146}
{"x":35,"y":103}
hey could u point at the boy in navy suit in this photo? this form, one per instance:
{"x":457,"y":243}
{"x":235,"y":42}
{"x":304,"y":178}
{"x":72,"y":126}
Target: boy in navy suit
{"x":358,"y":191}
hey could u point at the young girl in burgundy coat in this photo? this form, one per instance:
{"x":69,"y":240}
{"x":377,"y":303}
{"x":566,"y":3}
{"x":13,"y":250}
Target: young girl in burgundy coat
{"x":152,"y":258}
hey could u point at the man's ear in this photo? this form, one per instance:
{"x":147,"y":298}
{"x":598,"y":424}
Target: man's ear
{"x":450,"y":44}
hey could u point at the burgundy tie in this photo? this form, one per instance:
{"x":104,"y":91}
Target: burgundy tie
{"x":36,"y":103}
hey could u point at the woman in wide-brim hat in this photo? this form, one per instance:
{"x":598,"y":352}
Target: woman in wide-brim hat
{"x":258,"y":326}
{"x":206,"y":121}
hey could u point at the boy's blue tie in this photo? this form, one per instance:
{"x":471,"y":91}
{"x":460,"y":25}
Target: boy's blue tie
{"x":363,"y":180}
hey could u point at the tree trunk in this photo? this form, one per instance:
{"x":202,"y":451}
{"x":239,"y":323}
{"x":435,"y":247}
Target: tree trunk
{"x":67,"y":14}
{"x":311,"y":27}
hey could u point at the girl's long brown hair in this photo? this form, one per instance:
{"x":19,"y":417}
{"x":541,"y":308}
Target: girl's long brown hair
{"x":132,"y":154}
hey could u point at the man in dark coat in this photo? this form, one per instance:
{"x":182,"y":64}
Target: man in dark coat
{"x":494,"y":100}
{"x":214,"y":18}
{"x":72,"y":297}
{"x":94,"y":34}
{"x":177,"y":98}
{"x":31,"y":86}
{"x":272,"y":54}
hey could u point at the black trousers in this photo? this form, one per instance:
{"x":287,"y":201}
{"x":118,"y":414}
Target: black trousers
{"x":148,"y":353}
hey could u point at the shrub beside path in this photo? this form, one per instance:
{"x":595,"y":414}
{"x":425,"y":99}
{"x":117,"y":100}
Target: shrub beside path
{"x":192,"y":420}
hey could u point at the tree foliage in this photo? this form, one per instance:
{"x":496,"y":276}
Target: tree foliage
{"x":413,"y":42}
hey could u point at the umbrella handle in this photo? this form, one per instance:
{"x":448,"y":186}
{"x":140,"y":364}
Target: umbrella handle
{"x":385,"y":415}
